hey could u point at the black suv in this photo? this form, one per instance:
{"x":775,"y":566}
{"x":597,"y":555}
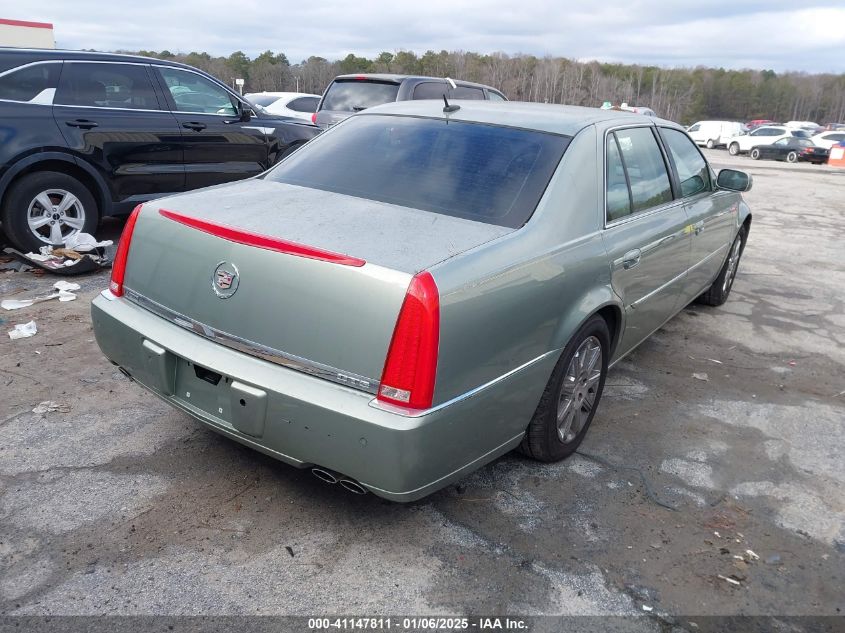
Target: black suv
{"x":85,"y":135}
{"x":349,"y":94}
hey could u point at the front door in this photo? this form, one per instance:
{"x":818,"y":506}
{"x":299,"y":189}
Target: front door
{"x":646,"y":235}
{"x":218,"y":146}
{"x":712,"y":217}
{"x":109,"y":115}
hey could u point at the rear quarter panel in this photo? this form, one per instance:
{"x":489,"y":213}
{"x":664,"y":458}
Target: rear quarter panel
{"x":524,"y":295}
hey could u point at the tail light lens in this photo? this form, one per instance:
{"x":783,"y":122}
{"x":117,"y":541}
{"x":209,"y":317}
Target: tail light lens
{"x":118,"y":269}
{"x":314,"y":118}
{"x":411,"y":365}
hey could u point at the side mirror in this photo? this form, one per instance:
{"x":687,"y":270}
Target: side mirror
{"x":734,"y":180}
{"x":245,"y":112}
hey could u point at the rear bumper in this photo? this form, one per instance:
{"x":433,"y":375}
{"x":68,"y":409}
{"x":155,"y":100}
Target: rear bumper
{"x":306,"y":421}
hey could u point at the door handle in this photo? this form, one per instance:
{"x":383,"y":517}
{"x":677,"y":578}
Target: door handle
{"x":631,"y":259}
{"x":84,"y":124}
{"x":195,"y":126}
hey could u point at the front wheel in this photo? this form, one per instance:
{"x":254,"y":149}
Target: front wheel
{"x":792,"y":157}
{"x":733,"y":150}
{"x":755,"y":154}
{"x":45,"y":208}
{"x":719,"y":290}
{"x":710,"y":144}
{"x":572,"y":395}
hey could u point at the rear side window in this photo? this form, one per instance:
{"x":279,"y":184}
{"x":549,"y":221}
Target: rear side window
{"x":106,"y":86}
{"x":618,"y":194}
{"x":485,"y":173}
{"x":465,"y":92}
{"x":353,"y":95}
{"x":645,"y":168}
{"x":693,"y":173}
{"x":304,"y":104}
{"x":33,"y":84}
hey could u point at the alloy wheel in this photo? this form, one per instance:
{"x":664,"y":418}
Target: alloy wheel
{"x":54,"y":215}
{"x":579,"y":388}
{"x":733,"y":260}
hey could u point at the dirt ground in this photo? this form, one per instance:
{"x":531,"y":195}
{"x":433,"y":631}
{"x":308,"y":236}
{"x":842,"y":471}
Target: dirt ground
{"x":720,"y":494}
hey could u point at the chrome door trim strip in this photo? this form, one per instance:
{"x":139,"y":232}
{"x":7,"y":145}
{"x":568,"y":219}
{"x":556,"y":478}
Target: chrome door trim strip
{"x":278,"y":357}
{"x":418,"y":413}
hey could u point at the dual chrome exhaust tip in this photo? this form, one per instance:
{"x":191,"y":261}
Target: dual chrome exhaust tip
{"x":331,"y":477}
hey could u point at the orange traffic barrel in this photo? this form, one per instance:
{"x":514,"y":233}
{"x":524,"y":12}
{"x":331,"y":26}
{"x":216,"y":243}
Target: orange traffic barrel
{"x":837,"y":156}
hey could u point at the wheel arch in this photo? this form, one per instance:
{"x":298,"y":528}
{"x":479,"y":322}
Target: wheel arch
{"x":601,"y":301}
{"x":63,"y":163}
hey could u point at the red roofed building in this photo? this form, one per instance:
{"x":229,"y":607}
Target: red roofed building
{"x":23,"y":34}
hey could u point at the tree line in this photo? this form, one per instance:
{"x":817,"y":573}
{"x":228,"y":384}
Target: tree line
{"x":680,"y":94}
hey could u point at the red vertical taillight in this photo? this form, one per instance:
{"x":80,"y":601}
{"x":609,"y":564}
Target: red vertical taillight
{"x":314,"y":118}
{"x":118,"y":268}
{"x":411,"y":365}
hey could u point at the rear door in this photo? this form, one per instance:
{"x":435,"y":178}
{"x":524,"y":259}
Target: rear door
{"x":217,"y":145}
{"x":645,"y":232}
{"x":346,"y":96}
{"x":711,"y":215}
{"x":110,"y":116}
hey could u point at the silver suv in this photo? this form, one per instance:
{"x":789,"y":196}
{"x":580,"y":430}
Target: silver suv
{"x":349,"y":94}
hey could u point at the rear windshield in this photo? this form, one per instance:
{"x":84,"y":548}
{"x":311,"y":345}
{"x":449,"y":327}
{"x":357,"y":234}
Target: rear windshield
{"x":352,"y":95}
{"x":480,"y":172}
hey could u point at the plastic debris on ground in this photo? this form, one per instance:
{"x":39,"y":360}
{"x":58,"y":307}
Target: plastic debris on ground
{"x":65,"y":293}
{"x":81,"y":253}
{"x":49,"y":406}
{"x":701,"y":376}
{"x":24,"y":330}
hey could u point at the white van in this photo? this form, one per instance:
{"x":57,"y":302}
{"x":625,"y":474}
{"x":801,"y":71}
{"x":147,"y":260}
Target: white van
{"x":715,"y":133}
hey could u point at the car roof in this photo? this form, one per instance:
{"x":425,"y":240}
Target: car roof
{"x":392,"y":77}
{"x":280,"y":95}
{"x":543,"y":117}
{"x":12,"y":57}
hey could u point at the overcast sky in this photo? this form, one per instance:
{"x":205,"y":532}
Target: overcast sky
{"x":806,"y":35}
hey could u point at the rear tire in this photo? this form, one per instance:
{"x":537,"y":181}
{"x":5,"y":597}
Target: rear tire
{"x":572,"y":395}
{"x":720,"y":289}
{"x":792,"y":157}
{"x":46,"y":207}
{"x":755,"y":154}
{"x":733,"y":150}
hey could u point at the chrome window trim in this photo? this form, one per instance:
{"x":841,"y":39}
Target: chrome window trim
{"x":639,"y":214}
{"x":278,"y":357}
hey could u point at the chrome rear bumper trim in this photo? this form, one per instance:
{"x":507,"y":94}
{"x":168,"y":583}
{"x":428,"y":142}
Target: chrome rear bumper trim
{"x":291,"y":361}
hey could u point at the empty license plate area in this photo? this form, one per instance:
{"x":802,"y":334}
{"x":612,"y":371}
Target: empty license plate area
{"x":239,"y":405}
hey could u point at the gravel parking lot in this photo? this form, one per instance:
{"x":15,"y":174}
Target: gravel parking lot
{"x":711,"y":482}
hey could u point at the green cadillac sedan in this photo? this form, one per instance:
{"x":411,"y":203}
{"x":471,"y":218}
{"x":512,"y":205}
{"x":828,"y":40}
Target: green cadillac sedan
{"x":421,"y":289}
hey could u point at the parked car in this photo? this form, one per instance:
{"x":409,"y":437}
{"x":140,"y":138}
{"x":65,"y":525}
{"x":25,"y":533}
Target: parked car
{"x":791,"y":150}
{"x":368,"y":312}
{"x":755,"y":123}
{"x":715,"y":133}
{"x":829,"y":139}
{"x":299,"y":105}
{"x":810,"y":126}
{"x":765,"y":135}
{"x":348,"y":94}
{"x":93,"y":134}
{"x":639,"y":110}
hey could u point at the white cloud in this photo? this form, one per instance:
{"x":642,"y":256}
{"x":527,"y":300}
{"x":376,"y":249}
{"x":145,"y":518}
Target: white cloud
{"x":734,"y":34}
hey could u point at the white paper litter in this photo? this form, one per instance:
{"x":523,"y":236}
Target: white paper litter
{"x":66,"y":285}
{"x":85,"y":242}
{"x":24,"y":330}
{"x":49,"y":406}
{"x":64,"y":294}
{"x":42,"y":257}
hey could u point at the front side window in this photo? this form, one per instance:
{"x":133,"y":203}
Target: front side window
{"x":695,"y":128}
{"x":431,"y":90}
{"x":466,"y":92}
{"x":194,"y":93}
{"x":645,"y":168}
{"x":693,"y":172}
{"x":33,"y":84}
{"x":479,"y":172}
{"x":495,"y":96}
{"x":100,"y":85}
{"x":781,"y":142}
